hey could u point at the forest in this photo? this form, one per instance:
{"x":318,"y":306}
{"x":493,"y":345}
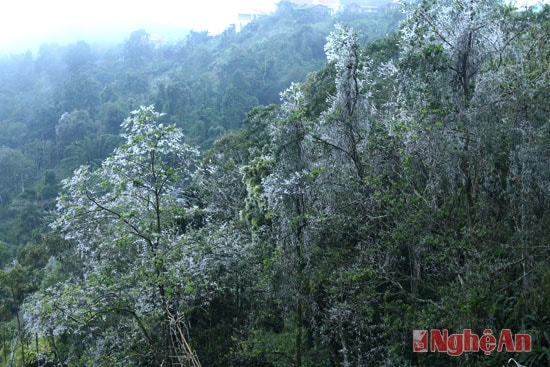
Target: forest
{"x":305,"y":192}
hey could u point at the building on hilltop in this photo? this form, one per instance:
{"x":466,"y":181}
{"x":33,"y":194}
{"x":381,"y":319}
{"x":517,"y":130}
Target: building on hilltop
{"x":367,"y":6}
{"x":247,"y":16}
{"x":356,"y":6}
{"x":333,"y":5}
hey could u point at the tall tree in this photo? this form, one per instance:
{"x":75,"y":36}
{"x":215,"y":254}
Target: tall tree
{"x":288,"y":198}
{"x":346,"y":122}
{"x":467,"y":128}
{"x":127,"y":221}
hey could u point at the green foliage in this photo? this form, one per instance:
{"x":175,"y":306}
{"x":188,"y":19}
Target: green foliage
{"x":5,"y":254}
{"x":138,"y":49}
{"x":96,"y":212}
{"x":255,"y":211}
{"x":398,"y":182}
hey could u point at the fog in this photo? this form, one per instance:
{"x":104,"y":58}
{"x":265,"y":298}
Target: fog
{"x":26,"y":24}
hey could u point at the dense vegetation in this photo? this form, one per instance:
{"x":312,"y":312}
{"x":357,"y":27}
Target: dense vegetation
{"x":305,"y":192}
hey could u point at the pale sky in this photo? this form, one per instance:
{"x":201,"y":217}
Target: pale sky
{"x":25,"y":22}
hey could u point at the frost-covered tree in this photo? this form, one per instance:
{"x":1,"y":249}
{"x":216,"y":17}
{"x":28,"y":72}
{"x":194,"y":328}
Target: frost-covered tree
{"x":288,"y":193}
{"x":345,"y":123}
{"x":466,"y":69}
{"x":127,"y":221}
{"x":346,"y":209}
{"x":454,"y":52}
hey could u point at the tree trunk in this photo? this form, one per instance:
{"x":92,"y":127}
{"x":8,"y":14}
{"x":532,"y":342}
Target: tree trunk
{"x":299,"y":316}
{"x":21,"y":339}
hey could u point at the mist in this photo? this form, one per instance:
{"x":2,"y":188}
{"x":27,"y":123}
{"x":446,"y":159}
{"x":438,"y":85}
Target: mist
{"x":25,"y":27}
{"x":100,"y":37}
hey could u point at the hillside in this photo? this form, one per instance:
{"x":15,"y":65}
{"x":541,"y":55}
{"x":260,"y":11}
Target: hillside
{"x":63,"y":107}
{"x":307,"y":191}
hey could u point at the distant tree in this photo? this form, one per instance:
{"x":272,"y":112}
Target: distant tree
{"x":50,"y":187}
{"x":15,"y":170}
{"x":43,"y":153}
{"x":49,"y":62}
{"x":196,"y":40}
{"x":13,"y":133}
{"x":74,"y":126}
{"x":112,"y":114}
{"x":90,"y":151}
{"x":235,"y":104}
{"x":135,"y":84}
{"x":81,"y":92}
{"x":78,"y":56}
{"x":138,"y":49}
{"x":5,"y":254}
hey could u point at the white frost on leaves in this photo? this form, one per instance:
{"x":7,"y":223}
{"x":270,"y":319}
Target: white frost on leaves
{"x":122,"y":220}
{"x":292,"y":99}
{"x":353,"y":67}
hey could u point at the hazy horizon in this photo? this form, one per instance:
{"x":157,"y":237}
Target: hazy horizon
{"x":25,"y":25}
